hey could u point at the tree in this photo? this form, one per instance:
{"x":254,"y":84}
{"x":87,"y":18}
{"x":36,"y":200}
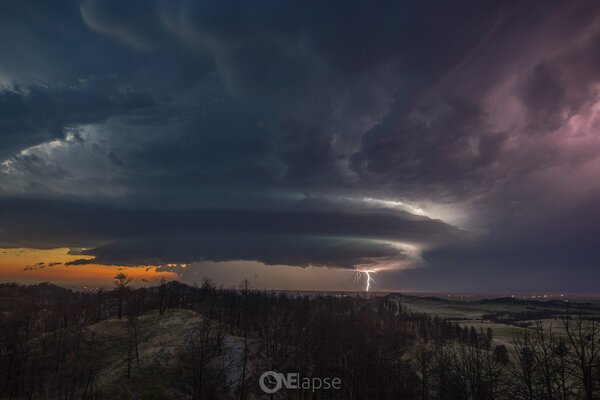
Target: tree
{"x":198,"y":375}
{"x":525,"y":369}
{"x":245,"y":288}
{"x":121,"y":282}
{"x":423,"y":358}
{"x":496,"y":363}
{"x":584,"y":339}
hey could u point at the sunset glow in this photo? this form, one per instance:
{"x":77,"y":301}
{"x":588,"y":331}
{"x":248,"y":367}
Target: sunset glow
{"x":32,"y":266}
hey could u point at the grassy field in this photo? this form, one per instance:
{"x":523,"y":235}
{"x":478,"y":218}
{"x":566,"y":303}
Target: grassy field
{"x":505,"y":316}
{"x":158,"y":339}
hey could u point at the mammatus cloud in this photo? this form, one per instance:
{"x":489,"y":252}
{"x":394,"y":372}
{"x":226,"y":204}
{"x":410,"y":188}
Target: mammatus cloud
{"x":342,"y":134}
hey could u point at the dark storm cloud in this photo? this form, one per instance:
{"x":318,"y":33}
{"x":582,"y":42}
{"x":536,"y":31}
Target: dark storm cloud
{"x":88,"y":223}
{"x":317,"y":74}
{"x":216,"y":128}
{"x":447,"y":154}
{"x":335,"y":252}
{"x":34,"y":114}
{"x":133,"y":237}
{"x":444,"y":140}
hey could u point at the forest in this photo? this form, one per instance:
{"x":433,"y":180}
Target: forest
{"x":52,"y":347}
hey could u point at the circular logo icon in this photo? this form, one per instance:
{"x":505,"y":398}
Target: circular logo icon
{"x":270,"y":382}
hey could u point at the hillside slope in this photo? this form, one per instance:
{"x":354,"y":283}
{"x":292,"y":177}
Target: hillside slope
{"x":153,"y":372}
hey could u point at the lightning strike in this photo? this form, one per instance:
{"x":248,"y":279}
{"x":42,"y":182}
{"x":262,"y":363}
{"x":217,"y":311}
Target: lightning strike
{"x":357,"y":275}
{"x":369,"y":280}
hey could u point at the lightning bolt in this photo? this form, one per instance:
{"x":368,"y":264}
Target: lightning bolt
{"x":357,"y":276}
{"x":369,"y":280}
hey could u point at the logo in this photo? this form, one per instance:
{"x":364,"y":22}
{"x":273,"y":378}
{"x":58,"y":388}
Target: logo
{"x":271,"y":382}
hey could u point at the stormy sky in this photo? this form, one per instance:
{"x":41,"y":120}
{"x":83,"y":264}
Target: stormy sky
{"x":444,"y":145}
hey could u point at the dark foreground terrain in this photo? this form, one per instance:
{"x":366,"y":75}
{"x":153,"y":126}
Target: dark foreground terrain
{"x":179,"y":342}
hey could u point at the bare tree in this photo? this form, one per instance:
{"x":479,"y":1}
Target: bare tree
{"x":584,"y":341}
{"x":121,"y":281}
{"x":524,"y":369}
{"x":245,"y":288}
{"x":199,"y":375}
{"x":423,"y":358}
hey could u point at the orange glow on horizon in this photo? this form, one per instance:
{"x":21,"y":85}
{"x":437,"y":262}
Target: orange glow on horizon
{"x":24,"y":265}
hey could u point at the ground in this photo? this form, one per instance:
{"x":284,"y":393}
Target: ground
{"x":509,"y":315}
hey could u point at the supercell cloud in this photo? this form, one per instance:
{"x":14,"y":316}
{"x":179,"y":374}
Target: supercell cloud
{"x":461,"y":137}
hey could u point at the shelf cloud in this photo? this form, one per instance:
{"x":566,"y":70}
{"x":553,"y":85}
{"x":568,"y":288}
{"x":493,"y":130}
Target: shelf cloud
{"x":458,"y":136}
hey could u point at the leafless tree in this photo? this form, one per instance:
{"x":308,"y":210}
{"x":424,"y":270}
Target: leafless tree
{"x":121,"y":281}
{"x":584,"y":343}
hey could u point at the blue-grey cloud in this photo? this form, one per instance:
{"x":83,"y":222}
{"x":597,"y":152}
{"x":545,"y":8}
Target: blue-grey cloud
{"x":328,"y":128}
{"x":340,"y":239}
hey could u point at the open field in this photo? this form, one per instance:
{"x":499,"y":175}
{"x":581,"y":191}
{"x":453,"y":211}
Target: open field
{"x":506,"y":316}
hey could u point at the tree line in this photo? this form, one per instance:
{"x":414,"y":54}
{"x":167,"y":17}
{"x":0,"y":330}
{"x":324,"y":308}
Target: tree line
{"x":378,"y":348}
